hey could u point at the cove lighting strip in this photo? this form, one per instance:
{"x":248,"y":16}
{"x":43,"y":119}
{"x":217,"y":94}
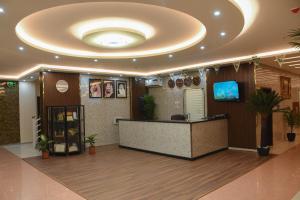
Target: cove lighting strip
{"x":40,"y":67}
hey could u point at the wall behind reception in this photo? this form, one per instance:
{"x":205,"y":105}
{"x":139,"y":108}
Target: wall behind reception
{"x":242,"y":123}
{"x":100,"y":112}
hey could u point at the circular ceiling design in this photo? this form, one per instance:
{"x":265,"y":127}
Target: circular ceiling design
{"x":110,"y":30}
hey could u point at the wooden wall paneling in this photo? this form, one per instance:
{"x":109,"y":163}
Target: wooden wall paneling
{"x":242,"y":123}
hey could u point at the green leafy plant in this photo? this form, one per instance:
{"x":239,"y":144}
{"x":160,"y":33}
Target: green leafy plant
{"x":43,"y":143}
{"x":91,"y":140}
{"x":292,"y":118}
{"x":295,"y":36}
{"x":149,"y":106}
{"x":264,"y":103}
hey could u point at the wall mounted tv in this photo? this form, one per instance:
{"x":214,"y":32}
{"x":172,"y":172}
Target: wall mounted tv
{"x":226,"y":91}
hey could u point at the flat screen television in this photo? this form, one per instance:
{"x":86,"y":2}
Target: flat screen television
{"x":226,"y":91}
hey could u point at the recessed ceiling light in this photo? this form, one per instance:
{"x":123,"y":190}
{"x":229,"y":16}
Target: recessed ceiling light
{"x":170,"y":56}
{"x":202,"y":47}
{"x":134,"y":60}
{"x":32,"y":77}
{"x":121,"y":75}
{"x":56,"y":57}
{"x":217,"y":13}
{"x":49,"y":70}
{"x":88,"y":73}
{"x":2,"y":10}
{"x":222,"y":33}
{"x":95,"y":60}
{"x":21,"y":48}
{"x":24,"y":80}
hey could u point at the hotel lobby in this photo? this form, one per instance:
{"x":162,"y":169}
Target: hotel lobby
{"x":156,"y":99}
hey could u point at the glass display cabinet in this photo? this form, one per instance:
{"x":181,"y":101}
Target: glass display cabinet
{"x":66,"y":128}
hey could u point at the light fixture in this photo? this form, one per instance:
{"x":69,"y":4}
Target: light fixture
{"x":217,"y":13}
{"x":134,"y":60}
{"x":2,"y":11}
{"x":222,"y":33}
{"x":49,"y":70}
{"x":202,"y":47}
{"x":95,"y":60}
{"x":32,"y":77}
{"x":21,"y":48}
{"x":56,"y":57}
{"x":170,"y":56}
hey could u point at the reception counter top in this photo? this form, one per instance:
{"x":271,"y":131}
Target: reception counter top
{"x":185,"y":139}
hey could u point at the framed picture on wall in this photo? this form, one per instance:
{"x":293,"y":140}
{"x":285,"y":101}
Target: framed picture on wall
{"x":285,"y":87}
{"x":121,"y":89}
{"x":109,"y":89}
{"x":95,"y":88}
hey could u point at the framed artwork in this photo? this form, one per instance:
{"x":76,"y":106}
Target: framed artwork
{"x":285,"y":87}
{"x":95,"y":88}
{"x":109,"y":89}
{"x":121,"y":89}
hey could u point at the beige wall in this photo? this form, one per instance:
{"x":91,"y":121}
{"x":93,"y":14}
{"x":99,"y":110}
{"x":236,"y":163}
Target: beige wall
{"x":168,"y":101}
{"x":270,"y":77}
{"x":100,"y":113}
{"x":28,"y":109}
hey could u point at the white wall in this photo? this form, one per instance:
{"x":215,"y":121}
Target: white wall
{"x":27,"y":102}
{"x":100,"y":113}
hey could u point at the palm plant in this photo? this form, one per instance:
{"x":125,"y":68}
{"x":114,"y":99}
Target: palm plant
{"x":292,"y":118}
{"x":43,"y":143}
{"x":295,"y":35}
{"x":264,"y":103}
{"x":91,"y":140}
{"x":149,"y":106}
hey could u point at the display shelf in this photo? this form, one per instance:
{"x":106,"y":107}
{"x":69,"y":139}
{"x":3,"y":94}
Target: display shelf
{"x":66,"y":128}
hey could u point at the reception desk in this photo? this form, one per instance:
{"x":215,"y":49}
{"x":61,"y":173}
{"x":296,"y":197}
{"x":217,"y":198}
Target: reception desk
{"x":185,"y":139}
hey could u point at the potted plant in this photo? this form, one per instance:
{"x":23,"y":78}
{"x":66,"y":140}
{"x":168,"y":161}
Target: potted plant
{"x":91,"y":140}
{"x":149,"y":106}
{"x":264,"y":103}
{"x":295,"y":36}
{"x":293,"y":120}
{"x":43,"y":145}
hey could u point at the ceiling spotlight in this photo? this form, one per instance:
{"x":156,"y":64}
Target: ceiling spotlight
{"x":32,"y":77}
{"x":134,"y":60}
{"x":56,"y":57}
{"x":24,"y":80}
{"x":21,"y":48}
{"x":217,"y":13}
{"x":49,"y":70}
{"x":95,"y":60}
{"x":2,"y":10}
{"x":121,"y":75}
{"x":170,"y":56}
{"x":202,"y":47}
{"x":222,"y":33}
{"x":88,"y":73}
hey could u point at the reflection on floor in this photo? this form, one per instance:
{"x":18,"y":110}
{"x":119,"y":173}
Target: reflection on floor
{"x":277,"y":179}
{"x":25,"y":150}
{"x":21,"y":181}
{"x":117,"y":173}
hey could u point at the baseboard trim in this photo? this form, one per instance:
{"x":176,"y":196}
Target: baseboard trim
{"x":242,"y":149}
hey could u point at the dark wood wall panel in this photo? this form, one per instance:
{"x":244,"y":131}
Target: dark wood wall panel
{"x":51,"y":97}
{"x":138,"y":89}
{"x":9,"y":116}
{"x":242,"y":123}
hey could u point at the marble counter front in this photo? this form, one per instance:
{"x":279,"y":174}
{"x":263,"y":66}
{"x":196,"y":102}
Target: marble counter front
{"x":176,"y":138}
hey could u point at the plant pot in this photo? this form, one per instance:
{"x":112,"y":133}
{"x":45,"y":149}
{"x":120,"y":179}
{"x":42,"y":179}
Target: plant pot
{"x":92,"y":150}
{"x":45,"y":155}
{"x":263,"y":151}
{"x":291,"y":137}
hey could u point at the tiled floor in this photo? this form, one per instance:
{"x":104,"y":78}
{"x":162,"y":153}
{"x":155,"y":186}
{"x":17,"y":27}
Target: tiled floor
{"x":20,"y":181}
{"x":281,"y":146}
{"x":277,"y":179}
{"x":25,"y":150}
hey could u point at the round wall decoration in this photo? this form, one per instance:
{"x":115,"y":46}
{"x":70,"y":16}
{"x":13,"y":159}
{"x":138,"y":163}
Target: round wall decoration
{"x":188,"y":81}
{"x":179,"y":82}
{"x":171,"y":83}
{"x":196,"y":80}
{"x":62,"y":86}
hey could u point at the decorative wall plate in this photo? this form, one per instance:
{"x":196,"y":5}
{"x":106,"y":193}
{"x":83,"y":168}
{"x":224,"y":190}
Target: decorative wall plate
{"x":179,"y":82}
{"x":62,"y":86}
{"x":188,"y":81}
{"x":196,"y":80}
{"x":171,"y":83}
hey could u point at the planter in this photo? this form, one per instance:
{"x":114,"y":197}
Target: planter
{"x":45,"y":155}
{"x":291,"y":137}
{"x":92,"y":150}
{"x":263,"y":151}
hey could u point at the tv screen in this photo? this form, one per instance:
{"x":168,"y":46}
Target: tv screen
{"x":226,"y":91}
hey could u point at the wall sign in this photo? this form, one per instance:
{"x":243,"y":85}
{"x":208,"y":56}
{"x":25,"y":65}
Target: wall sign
{"x":62,"y":86}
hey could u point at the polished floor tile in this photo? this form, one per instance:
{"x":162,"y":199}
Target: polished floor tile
{"x":25,"y":150}
{"x":20,"y":181}
{"x":277,"y":179}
